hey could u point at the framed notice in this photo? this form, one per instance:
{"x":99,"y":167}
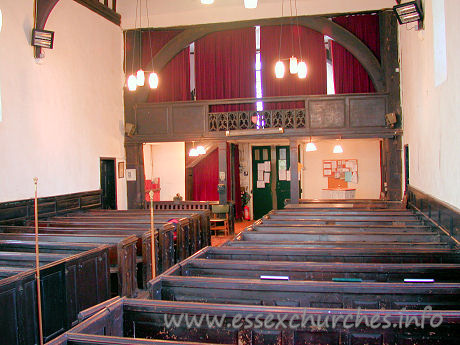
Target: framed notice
{"x":345,"y":169}
{"x":121,"y":169}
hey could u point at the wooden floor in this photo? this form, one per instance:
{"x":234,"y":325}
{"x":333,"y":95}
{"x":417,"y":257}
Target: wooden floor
{"x":217,"y":241}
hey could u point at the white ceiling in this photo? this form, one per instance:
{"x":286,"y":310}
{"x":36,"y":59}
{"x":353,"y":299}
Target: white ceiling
{"x":168,"y":13}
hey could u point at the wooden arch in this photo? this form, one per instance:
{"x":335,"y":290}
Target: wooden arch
{"x":321,"y":24}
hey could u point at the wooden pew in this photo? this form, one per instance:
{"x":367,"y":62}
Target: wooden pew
{"x":318,"y":271}
{"x":122,"y":251}
{"x":69,"y":284}
{"x":278,"y":237}
{"x":346,"y":203}
{"x":267,"y":227}
{"x":147,"y":320}
{"x":336,"y":254}
{"x":311,"y":294}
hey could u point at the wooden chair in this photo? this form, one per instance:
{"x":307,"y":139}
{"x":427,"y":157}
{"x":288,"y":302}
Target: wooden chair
{"x":219,"y":219}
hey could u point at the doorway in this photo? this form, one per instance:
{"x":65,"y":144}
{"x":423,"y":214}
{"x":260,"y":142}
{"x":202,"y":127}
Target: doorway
{"x":283,"y":175}
{"x":262,"y":190}
{"x":108,"y":184}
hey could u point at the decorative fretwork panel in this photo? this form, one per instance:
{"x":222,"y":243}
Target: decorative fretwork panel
{"x":237,"y":120}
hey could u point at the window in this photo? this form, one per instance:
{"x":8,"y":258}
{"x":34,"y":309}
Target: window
{"x":259,"y":93}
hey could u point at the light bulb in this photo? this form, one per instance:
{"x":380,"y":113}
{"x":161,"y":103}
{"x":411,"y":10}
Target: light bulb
{"x":250,"y":3}
{"x":201,"y":150}
{"x":302,"y":70}
{"x":132,"y":83}
{"x":193,"y":152}
{"x":310,"y":147}
{"x":337,"y":149}
{"x":153,"y":80}
{"x":293,"y":65}
{"x":207,"y":2}
{"x":140,"y":78}
{"x":279,"y":70}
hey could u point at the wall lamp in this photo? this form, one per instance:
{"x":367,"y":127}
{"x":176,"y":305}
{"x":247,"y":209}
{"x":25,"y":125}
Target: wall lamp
{"x":409,"y":12}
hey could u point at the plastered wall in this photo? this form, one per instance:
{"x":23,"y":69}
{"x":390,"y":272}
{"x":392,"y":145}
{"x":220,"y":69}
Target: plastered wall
{"x":62,"y":113}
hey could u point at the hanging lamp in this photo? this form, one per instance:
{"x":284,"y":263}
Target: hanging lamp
{"x":337,"y":148}
{"x":250,"y":3}
{"x":201,"y":150}
{"x":310,"y":146}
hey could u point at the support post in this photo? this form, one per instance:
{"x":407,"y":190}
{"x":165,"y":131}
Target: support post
{"x":222,"y":188}
{"x":294,"y":158}
{"x":152,"y":239}
{"x":37,"y":266}
{"x":135,"y":160}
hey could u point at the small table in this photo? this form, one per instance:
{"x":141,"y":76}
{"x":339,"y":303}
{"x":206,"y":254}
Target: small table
{"x":339,"y":193}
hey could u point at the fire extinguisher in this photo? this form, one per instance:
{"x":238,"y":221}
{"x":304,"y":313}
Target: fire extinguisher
{"x":246,"y":213}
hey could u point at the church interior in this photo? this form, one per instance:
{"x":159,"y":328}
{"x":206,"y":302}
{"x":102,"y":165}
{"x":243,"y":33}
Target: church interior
{"x":229,"y":172}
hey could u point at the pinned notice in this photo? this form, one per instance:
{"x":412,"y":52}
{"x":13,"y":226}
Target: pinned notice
{"x":260,"y":184}
{"x":267,"y":177}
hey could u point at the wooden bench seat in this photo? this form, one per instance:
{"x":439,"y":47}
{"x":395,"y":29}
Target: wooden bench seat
{"x":311,"y":294}
{"x":146,"y":320}
{"x":336,"y":254}
{"x":379,"y":272}
{"x":335,"y":244}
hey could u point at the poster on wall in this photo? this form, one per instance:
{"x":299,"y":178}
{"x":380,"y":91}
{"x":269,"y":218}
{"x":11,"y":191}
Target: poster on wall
{"x":130,"y":174}
{"x":343,"y":169}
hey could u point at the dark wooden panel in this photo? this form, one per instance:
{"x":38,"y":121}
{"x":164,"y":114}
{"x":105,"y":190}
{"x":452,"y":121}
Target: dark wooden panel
{"x":367,"y":112}
{"x":327,"y":113}
{"x":188,"y":119}
{"x":153,"y":121}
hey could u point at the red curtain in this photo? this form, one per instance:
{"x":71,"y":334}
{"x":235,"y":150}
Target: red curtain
{"x":206,"y":178}
{"x":225,"y":67}
{"x":312,"y":51}
{"x":174,"y":78}
{"x":349,"y":74}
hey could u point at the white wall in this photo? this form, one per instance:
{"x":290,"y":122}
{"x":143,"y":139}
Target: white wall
{"x":188,"y":12}
{"x":168,"y":165}
{"x":431,"y":112}
{"x":366,"y":151}
{"x":64,"y":112}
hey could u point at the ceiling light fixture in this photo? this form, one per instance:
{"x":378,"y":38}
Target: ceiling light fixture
{"x":338,"y":148}
{"x":201,"y":150}
{"x":193,"y":151}
{"x":310,"y":146}
{"x":250,"y":3}
{"x":207,"y":2}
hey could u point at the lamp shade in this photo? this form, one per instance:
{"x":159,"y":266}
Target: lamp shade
{"x":337,"y":149}
{"x":201,"y":150}
{"x":132,"y":83}
{"x":293,"y":65}
{"x":193,"y":152}
{"x":279,"y":70}
{"x":302,"y":70}
{"x":250,"y":3}
{"x":207,"y":2}
{"x":310,"y":147}
{"x":140,"y":77}
{"x":153,"y":80}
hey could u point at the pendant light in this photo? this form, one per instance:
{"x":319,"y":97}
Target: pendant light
{"x":279,"y":69}
{"x":302,"y":70}
{"x":207,"y":2}
{"x":337,"y":148}
{"x":310,"y":146}
{"x":250,"y":3}
{"x":140,"y":77}
{"x":201,"y":150}
{"x":293,"y":67}
{"x":132,"y":83}
{"x":193,"y":151}
{"x":153,"y":80}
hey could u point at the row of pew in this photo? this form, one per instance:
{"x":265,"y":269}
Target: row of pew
{"x":122,"y":239}
{"x":349,"y":262}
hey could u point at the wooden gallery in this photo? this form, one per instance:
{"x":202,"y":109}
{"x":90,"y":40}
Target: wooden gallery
{"x":229,"y":172}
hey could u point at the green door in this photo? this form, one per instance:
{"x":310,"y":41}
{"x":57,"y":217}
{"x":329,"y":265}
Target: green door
{"x":283,"y":181}
{"x":262,"y":193}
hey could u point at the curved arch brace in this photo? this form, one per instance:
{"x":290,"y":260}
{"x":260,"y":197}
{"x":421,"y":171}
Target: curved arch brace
{"x":321,"y":24}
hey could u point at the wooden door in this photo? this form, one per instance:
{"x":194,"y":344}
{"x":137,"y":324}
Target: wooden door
{"x":283,"y":181}
{"x":262,"y":196}
{"x":108,"y":184}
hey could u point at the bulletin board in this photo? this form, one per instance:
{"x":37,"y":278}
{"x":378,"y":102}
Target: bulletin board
{"x":343,"y":169}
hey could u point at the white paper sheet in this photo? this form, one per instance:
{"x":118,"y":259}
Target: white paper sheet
{"x":334,"y":164}
{"x":282,"y":175}
{"x":266,"y":177}
{"x":267,"y":166}
{"x":260,"y":175}
{"x":288,"y":175}
{"x":327,"y":172}
{"x":260,"y":184}
{"x":260,"y":166}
